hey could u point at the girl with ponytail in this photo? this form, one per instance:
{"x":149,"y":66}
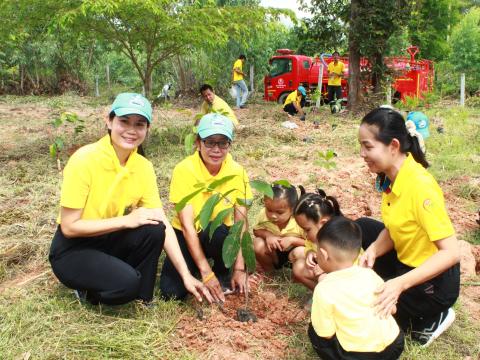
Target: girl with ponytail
{"x":313,"y":210}
{"x":416,"y":251}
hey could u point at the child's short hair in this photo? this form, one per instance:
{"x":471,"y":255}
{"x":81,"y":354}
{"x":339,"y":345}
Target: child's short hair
{"x":205,"y":87}
{"x":343,"y":234}
{"x":316,"y":205}
{"x":288,"y":193}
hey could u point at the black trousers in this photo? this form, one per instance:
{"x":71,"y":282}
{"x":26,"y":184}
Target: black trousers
{"x":330,"y":349}
{"x":113,"y":268}
{"x":419,"y":306}
{"x":171,"y":284}
{"x":334,"y":92}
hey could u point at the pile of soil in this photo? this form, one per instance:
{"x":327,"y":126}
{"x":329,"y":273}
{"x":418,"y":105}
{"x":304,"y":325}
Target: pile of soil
{"x":220,"y":336}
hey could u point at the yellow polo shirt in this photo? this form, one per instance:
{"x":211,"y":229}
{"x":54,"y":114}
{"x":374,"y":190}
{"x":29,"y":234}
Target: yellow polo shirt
{"x":338,"y":69}
{"x":343,"y":306}
{"x":94,"y":180}
{"x":192,"y":171}
{"x":414,"y":213}
{"x":238,"y":64}
{"x":292,"y":228}
{"x":295,"y":96}
{"x":220,"y":106}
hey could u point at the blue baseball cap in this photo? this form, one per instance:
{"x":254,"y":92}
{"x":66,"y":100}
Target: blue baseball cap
{"x":421,"y":122}
{"x":302,"y":90}
{"x":215,"y":124}
{"x":131,"y":103}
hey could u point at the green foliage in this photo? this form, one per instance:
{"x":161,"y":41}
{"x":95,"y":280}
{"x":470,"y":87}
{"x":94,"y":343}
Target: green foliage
{"x":231,"y":245}
{"x":465,"y":55}
{"x":59,"y":142}
{"x":262,"y":187}
{"x":326,"y":159}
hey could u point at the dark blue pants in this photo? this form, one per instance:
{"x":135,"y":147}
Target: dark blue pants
{"x":113,"y":268}
{"x":171,"y":284}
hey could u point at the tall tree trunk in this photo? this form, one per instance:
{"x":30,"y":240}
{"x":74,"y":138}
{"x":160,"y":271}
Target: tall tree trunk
{"x":147,"y":81}
{"x":181,"y":73}
{"x":353,"y":59}
{"x":377,"y":72}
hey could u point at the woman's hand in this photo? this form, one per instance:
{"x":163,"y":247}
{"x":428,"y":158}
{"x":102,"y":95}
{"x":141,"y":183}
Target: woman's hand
{"x":213,"y":285}
{"x":388,"y":294}
{"x":273,"y":243}
{"x":142,"y":216}
{"x":197,"y":288}
{"x":311,"y":259}
{"x":239,"y":280}
{"x":368,"y":257}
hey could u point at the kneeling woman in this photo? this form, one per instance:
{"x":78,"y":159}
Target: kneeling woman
{"x":210,"y":162}
{"x":417,"y":251}
{"x":112,"y":227}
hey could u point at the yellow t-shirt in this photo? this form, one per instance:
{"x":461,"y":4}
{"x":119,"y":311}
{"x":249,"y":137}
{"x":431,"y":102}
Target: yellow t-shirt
{"x":94,"y":180}
{"x":414,"y":213}
{"x":292,"y":228}
{"x":343,"y":305}
{"x":338,"y":69}
{"x":295,"y":96}
{"x":192,"y":171}
{"x":219,"y":105}
{"x":238,"y":65}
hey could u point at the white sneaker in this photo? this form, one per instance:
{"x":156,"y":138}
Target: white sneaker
{"x":428,"y":335}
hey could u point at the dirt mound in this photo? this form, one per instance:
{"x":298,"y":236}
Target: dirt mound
{"x":219,"y":336}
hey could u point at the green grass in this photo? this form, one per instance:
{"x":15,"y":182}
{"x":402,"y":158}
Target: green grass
{"x":41,"y":317}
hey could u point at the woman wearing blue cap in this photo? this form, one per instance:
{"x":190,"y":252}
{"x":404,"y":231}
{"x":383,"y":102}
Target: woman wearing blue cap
{"x":112,"y":227}
{"x":210,"y":162}
{"x":295,"y":102}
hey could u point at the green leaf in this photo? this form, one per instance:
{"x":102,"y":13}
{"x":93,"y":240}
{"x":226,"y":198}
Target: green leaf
{"x":248,"y":251}
{"x":244,"y":202}
{"x":207,"y":210}
{"x":329,"y":154}
{"x":219,"y":220}
{"x":262,"y":187}
{"x":284,"y":183}
{"x":221,"y":181}
{"x":199,"y":185}
{"x":53,"y":150}
{"x":57,"y":122}
{"x":189,"y":142}
{"x":182,"y":203}
{"x":231,"y":245}
{"x":59,"y":144}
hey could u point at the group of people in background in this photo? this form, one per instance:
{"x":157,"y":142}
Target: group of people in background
{"x":372,"y":281}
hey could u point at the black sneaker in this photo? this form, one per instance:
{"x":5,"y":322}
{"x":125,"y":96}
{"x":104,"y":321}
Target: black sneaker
{"x":243,"y":106}
{"x":430,"y":333}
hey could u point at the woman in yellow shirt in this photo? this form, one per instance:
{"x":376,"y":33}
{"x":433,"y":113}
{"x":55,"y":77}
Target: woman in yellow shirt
{"x":210,"y":162}
{"x":112,"y":227}
{"x":417,"y":251}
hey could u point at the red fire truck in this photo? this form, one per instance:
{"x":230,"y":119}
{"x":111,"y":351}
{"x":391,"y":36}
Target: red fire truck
{"x":411,"y":77}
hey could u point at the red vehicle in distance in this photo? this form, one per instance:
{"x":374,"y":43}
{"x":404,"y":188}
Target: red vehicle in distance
{"x":411,"y":77}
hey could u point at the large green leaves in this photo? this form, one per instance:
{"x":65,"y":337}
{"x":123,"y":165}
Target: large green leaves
{"x":219,"y":220}
{"x":248,"y":251}
{"x":262,"y":187}
{"x":214,"y":184}
{"x":207,"y":210}
{"x":181,"y":204}
{"x":231,"y":245}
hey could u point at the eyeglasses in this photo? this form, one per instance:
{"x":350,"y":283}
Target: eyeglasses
{"x":224,"y":144}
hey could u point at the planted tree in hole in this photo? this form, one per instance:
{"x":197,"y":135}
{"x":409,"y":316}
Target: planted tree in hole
{"x":59,"y":141}
{"x":237,"y":239}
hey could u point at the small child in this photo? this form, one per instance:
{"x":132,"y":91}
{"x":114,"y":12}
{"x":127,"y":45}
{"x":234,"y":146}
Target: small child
{"x":344,"y":322}
{"x":276,"y":232}
{"x":312,"y":211}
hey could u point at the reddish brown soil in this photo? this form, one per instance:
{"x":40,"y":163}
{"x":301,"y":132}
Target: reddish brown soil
{"x":219,"y":336}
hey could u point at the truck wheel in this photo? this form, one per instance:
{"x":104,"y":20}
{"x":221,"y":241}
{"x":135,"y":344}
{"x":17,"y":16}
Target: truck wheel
{"x":281,"y":98}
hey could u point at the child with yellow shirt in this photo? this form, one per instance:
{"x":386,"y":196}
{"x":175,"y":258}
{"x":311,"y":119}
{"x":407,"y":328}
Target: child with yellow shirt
{"x":344,"y":322}
{"x":276,"y":232}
